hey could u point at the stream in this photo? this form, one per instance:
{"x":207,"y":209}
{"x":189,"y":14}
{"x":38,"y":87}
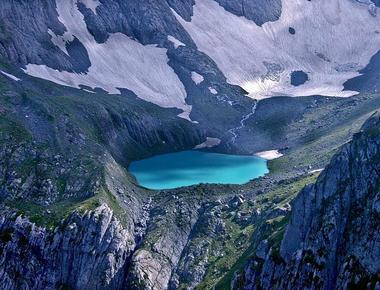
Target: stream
{"x":234,"y":131}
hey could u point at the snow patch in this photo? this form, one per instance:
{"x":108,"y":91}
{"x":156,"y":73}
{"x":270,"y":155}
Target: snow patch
{"x":91,"y":4}
{"x":329,"y":34}
{"x":196,"y":77}
{"x":186,"y":115}
{"x":212,"y":91}
{"x":269,"y":155}
{"x":118,"y":63}
{"x":10,"y":76}
{"x":209,"y":143}
{"x":60,"y":41}
{"x":316,"y":170}
{"x":88,"y":91}
{"x":175,"y":42}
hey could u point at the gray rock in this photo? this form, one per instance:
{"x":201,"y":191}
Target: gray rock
{"x":89,"y":251}
{"x":259,"y":11}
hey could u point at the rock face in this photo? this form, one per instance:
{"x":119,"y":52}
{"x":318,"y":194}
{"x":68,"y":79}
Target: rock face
{"x":332,"y":241}
{"x":34,"y":45}
{"x":368,"y":81}
{"x":89,"y":251}
{"x":258,"y":11}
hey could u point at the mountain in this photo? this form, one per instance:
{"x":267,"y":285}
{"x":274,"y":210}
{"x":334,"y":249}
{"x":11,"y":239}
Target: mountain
{"x":89,"y":86}
{"x":202,"y":66}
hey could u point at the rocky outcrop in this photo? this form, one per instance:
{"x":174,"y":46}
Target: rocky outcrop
{"x":333,"y":238}
{"x":126,"y":17}
{"x":33,"y":44}
{"x":88,"y":251}
{"x":368,"y":80}
{"x":95,"y":250}
{"x":168,"y":233}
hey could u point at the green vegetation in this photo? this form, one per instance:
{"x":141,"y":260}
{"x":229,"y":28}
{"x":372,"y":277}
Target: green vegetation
{"x":10,"y":128}
{"x":317,"y":141}
{"x":50,"y":216}
{"x":241,"y":245}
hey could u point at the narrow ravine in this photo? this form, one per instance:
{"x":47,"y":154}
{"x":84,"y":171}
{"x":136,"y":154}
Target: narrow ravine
{"x":142,"y":225}
{"x":234,"y":131}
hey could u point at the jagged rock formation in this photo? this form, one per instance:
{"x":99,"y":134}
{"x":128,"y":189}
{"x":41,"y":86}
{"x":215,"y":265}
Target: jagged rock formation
{"x":332,"y":240}
{"x":88,"y":251}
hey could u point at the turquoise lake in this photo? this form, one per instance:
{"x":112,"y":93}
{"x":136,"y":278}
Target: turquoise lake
{"x":186,"y":168}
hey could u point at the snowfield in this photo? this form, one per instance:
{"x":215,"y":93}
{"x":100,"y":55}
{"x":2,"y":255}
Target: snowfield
{"x":328,"y":40}
{"x":118,"y":63}
{"x":332,"y":41}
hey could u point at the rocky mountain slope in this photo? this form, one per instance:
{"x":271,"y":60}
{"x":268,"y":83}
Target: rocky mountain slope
{"x":332,"y":240}
{"x":88,"y":252}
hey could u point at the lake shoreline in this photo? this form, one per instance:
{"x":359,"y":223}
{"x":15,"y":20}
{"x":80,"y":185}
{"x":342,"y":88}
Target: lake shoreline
{"x":187,"y":168}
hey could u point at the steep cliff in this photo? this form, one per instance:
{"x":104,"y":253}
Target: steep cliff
{"x":88,"y":251}
{"x":332,"y":240}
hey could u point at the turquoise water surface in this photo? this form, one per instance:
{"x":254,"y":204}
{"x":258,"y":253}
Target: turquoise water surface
{"x":186,"y":168}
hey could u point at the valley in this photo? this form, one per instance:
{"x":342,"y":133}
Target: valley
{"x":103,"y":103}
{"x":221,"y":224}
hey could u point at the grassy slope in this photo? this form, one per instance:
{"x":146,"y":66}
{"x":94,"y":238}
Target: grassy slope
{"x":324,"y":139}
{"x":244,"y":238}
{"x":51,"y":106}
